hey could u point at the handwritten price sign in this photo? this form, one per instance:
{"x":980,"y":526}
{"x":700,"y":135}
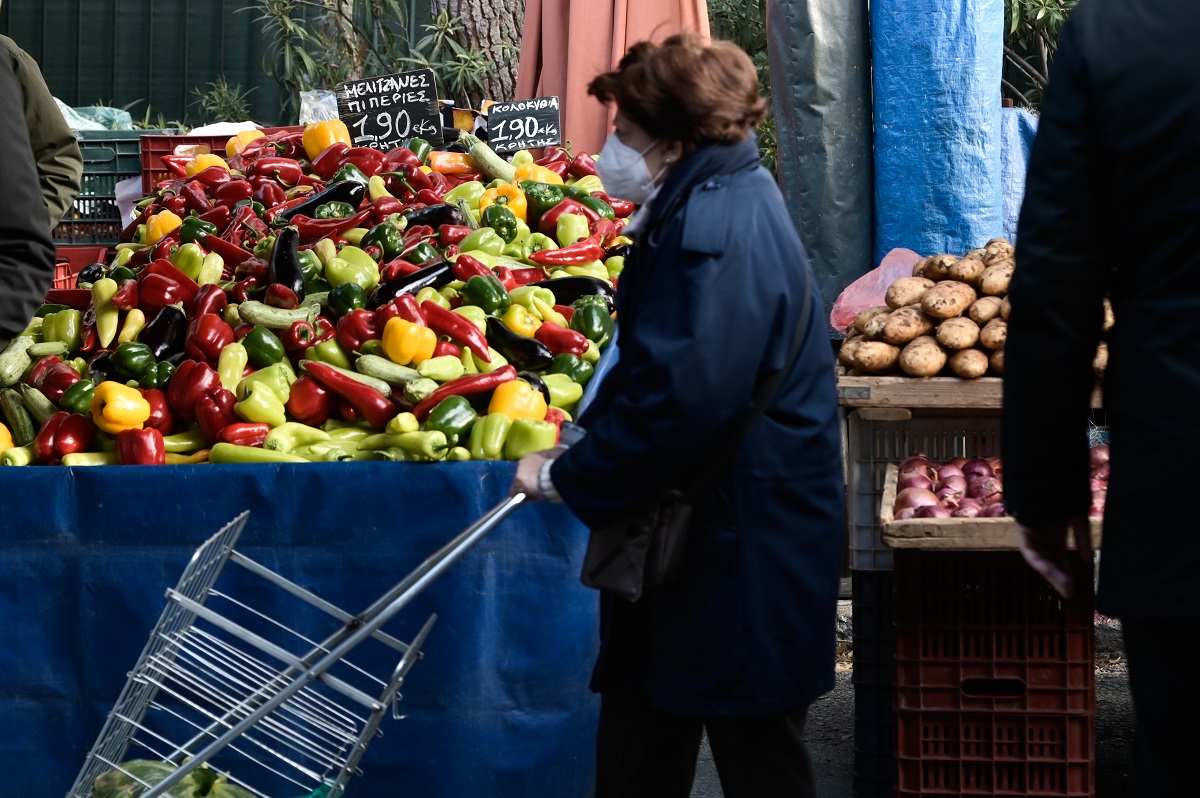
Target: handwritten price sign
{"x":524,"y":124}
{"x":383,"y":111}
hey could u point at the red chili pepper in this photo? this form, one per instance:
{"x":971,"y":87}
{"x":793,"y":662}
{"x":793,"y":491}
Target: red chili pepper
{"x":453,"y":233}
{"x":141,"y":447}
{"x":366,"y":401}
{"x":214,"y":411}
{"x":527,"y":276}
{"x":356,"y":328}
{"x":439,"y":184}
{"x":369,"y":161}
{"x":273,"y":212}
{"x":176,"y":164}
{"x":197,"y":198}
{"x":161,"y":417}
{"x":457,"y":328}
{"x":403,"y":156}
{"x":248,"y":288}
{"x":467,"y":385}
{"x":214,"y":176}
{"x":91,"y":339}
{"x":126,"y":297}
{"x":621,"y":207}
{"x":398,"y":267}
{"x":269,"y":194}
{"x":405,"y":307}
{"x":582,"y":165}
{"x":384,"y":207}
{"x":286,"y":170}
{"x":429,"y":196}
{"x":231,"y":253}
{"x":560,"y":339}
{"x":177,"y":205}
{"x":312,"y":229}
{"x":607,"y":229}
{"x":281,"y":296}
{"x":244,"y":433}
{"x":330,"y":160}
{"x":417,"y":233}
{"x":167,"y":269}
{"x":251,"y":267}
{"x":582,"y":251}
{"x":232,"y":192}
{"x":166,"y":246}
{"x":465,"y":267}
{"x":310,"y":402}
{"x":63,"y":433}
{"x":207,"y":335}
{"x":566,"y":311}
{"x":299,"y":337}
{"x":505,"y":276}
{"x":78,"y":298}
{"x":191,"y":380}
{"x":209,"y":299}
{"x":446,"y":348}
{"x":549,"y":222}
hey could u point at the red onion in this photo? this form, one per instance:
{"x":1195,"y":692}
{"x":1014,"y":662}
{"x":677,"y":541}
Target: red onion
{"x":993,"y":511}
{"x":906,"y":513}
{"x":958,"y":461}
{"x":1097,"y":485}
{"x":1100,"y":472}
{"x":933,"y":511}
{"x":949,"y":494}
{"x":914,"y":481}
{"x":987,"y":490}
{"x":949,"y":470}
{"x":958,"y":483}
{"x":967,"y":508}
{"x":1098,"y":455}
{"x":977,"y":467}
{"x":915,"y":497}
{"x":994,"y":462}
{"x":1097,"y":511}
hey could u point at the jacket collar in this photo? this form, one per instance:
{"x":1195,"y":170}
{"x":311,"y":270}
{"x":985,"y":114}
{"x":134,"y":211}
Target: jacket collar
{"x":709,"y":161}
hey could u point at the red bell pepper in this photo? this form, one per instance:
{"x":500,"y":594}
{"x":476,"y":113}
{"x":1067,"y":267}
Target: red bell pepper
{"x":325,"y":329}
{"x":313,"y":229}
{"x":548,"y":224}
{"x":555,"y":417}
{"x":369,"y":161}
{"x":560,"y":339}
{"x":384,"y":207}
{"x":214,"y":412}
{"x":209,"y":299}
{"x":621,"y":207}
{"x":244,"y":433}
{"x":195,"y":195}
{"x":141,"y":447}
{"x":286,"y":170}
{"x":430,"y":196}
{"x":126,"y":297}
{"x":164,"y":267}
{"x":176,"y":204}
{"x":269,"y":193}
{"x":405,"y":307}
{"x":466,"y":385}
{"x":346,"y":411}
{"x":453,"y":233}
{"x":446,"y":348}
{"x":299,"y":337}
{"x":214,"y":176}
{"x":465,"y":267}
{"x":505,"y":276}
{"x":279,"y":295}
{"x":582,"y":251}
{"x":232,"y":192}
{"x":207,"y":335}
{"x":63,"y":433}
{"x":366,"y":401}
{"x":403,"y":156}
{"x":457,"y":328}
{"x":161,"y":417}
{"x":416,"y":234}
{"x":191,"y":381}
{"x":330,"y":160}
{"x":310,"y":402}
{"x":53,"y":378}
{"x":582,"y":165}
{"x":39,"y":369}
{"x":156,"y":291}
{"x":356,"y":328}
{"x":247,"y":288}
{"x":218,"y":216}
{"x":528,"y":276}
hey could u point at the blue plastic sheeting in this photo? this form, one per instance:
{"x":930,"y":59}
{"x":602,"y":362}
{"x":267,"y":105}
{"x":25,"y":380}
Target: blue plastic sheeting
{"x":499,"y":706}
{"x":1018,"y":128}
{"x":936,"y":73}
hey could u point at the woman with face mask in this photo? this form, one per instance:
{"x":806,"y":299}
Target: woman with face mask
{"x":716,"y":297}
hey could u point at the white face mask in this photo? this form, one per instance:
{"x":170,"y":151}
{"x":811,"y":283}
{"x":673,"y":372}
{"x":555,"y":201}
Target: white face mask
{"x":623,"y":170}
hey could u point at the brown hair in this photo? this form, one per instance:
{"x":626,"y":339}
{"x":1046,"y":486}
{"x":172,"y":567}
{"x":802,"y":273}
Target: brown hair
{"x":685,"y":91}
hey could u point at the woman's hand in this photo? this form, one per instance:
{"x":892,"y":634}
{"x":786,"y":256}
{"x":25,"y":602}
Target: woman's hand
{"x":526,"y":480}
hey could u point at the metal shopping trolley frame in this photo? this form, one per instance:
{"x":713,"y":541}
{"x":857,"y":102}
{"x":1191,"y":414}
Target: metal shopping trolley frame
{"x":219,"y":677}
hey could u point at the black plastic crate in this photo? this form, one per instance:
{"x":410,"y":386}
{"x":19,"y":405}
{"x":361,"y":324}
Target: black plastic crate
{"x":109,"y":156}
{"x":874,"y":638}
{"x":874,"y":742}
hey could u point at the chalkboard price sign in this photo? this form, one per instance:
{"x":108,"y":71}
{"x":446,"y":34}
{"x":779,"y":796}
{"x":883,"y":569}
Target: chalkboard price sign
{"x":383,"y":111}
{"x":524,"y":124}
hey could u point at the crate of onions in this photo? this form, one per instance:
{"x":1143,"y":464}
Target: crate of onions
{"x":959,"y":504}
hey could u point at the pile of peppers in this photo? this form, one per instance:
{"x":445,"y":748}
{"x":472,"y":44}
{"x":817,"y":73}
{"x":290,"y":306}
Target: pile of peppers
{"x":307,"y":300}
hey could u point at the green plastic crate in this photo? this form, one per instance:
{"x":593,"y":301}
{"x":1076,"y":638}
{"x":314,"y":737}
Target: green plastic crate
{"x":109,"y":156}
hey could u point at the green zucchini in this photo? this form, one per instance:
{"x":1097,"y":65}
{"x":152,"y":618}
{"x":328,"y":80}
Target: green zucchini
{"x":383,"y":369}
{"x":264,"y":315}
{"x":39,"y":407}
{"x":17,"y":417}
{"x":492,"y":165}
{"x":57,"y":348}
{"x":15,"y":360}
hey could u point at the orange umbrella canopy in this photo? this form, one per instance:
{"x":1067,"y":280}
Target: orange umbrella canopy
{"x":566,"y":43}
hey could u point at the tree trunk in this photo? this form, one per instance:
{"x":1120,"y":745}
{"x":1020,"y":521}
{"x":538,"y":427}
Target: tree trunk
{"x":493,"y":26}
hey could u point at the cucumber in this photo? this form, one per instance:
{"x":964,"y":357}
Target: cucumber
{"x":15,"y":360}
{"x":492,"y":165}
{"x":56,"y":348}
{"x":39,"y":407}
{"x":263,"y":315}
{"x":383,"y":369}
{"x":17,"y":417}
{"x":378,"y":384}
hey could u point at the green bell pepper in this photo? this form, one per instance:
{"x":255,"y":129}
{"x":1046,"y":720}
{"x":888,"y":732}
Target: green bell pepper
{"x":189,"y":259}
{"x":536,"y":242}
{"x":571,"y":227}
{"x":132,"y":359}
{"x":501,"y":220}
{"x":348,"y":172}
{"x":422,"y":253}
{"x":291,"y":435}
{"x":475,"y":314}
{"x":278,"y":377}
{"x":263,"y":347}
{"x":528,"y":435}
{"x":334,"y":210}
{"x":522,"y":157}
{"x":564,"y":391}
{"x":599,"y":300}
{"x":454,"y":417}
{"x":264,"y":247}
{"x":488,"y":435}
{"x":539,"y":198}
{"x":572,"y":366}
{"x":156,"y":375}
{"x":120,"y":273}
{"x":261,"y":404}
{"x":525,"y":296}
{"x":311,"y":266}
{"x":347,"y":297}
{"x":330,"y":352}
{"x":595,"y":323}
{"x":588,"y":184}
{"x":598,"y":205}
{"x":485,"y":239}
{"x":419,"y":147}
{"x":614,"y":266}
{"x":78,"y":398}
{"x":486,"y":292}
{"x":387,"y":237}
{"x":441,"y":369}
{"x":352,"y":265}
{"x":470,"y":191}
{"x":194,"y":227}
{"x":65,"y":326}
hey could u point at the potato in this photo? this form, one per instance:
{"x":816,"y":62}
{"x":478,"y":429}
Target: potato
{"x":984,"y":309}
{"x":922,"y":357}
{"x":935,"y":267}
{"x":907,"y":291}
{"x":996,"y":362}
{"x":846,"y":350}
{"x":1100,"y":361}
{"x":997,"y":249}
{"x":968,"y":270}
{"x":905,"y":324}
{"x":993,"y":334}
{"x":1005,"y":308}
{"x":958,"y":333}
{"x":948,"y":299}
{"x":919,"y":267}
{"x":969,"y":364}
{"x":977,"y":254}
{"x":859,"y":324}
{"x":996,"y":278}
{"x":875,"y":357}
{"x":874,"y":325}
{"x":1109,"y":318}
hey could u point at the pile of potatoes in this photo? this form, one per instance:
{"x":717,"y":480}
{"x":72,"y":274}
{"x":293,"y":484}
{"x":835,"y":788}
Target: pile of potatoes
{"x":951,"y":315}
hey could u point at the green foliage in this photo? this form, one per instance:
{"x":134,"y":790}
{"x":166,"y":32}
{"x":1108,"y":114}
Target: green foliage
{"x":744,"y":22}
{"x":220,"y":102}
{"x":1032,"y":28}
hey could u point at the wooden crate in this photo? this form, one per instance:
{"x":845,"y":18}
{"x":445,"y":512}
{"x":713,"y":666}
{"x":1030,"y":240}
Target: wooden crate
{"x":985,"y":393}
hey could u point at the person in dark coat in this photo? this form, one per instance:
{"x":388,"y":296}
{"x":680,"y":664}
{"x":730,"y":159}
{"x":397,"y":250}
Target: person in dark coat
{"x":708,"y":307}
{"x":1112,"y":206}
{"x":26,"y":250}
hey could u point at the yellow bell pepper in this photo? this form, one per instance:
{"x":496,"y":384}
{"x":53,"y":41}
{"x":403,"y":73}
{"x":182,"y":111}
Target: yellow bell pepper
{"x":507,"y":195}
{"x":518,"y":319}
{"x":237,"y":143}
{"x":115,"y":407}
{"x":407,"y":343}
{"x":202,"y":162}
{"x":160,"y":224}
{"x":319,"y":136}
{"x":518,"y":399}
{"x":6,"y":441}
{"x":541,"y":174}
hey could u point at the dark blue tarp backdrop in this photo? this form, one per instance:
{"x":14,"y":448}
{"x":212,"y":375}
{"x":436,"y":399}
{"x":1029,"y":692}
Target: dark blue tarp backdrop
{"x":498,"y":707}
{"x":1018,"y":129}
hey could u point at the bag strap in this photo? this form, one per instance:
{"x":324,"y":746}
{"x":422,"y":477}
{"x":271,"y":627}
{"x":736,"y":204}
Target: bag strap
{"x":713,"y":467}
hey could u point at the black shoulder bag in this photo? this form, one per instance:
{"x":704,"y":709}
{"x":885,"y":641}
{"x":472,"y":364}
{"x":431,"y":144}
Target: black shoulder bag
{"x":646,"y":548}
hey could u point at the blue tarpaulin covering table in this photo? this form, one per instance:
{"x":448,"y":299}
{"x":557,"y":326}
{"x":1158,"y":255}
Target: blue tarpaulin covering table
{"x":498,"y":707}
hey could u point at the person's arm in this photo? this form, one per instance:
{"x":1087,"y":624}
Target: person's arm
{"x":26,"y":251}
{"x":1056,"y":294}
